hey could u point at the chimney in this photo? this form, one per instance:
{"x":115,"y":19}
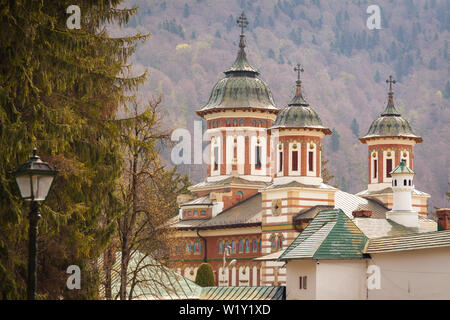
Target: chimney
{"x":402,"y":211}
{"x":362,"y":213}
{"x":443,"y":218}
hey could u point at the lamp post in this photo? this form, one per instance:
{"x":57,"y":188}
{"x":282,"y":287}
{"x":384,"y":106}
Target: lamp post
{"x":226,"y":253}
{"x":34,"y":179}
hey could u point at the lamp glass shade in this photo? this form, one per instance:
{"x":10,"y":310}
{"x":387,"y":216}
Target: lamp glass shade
{"x":23,"y":181}
{"x":40,"y":184}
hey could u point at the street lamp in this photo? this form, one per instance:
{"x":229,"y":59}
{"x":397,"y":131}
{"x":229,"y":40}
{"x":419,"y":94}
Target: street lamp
{"x":34,"y":179}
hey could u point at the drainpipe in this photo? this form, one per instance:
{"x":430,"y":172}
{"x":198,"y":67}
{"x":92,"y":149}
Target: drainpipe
{"x":204,"y":241}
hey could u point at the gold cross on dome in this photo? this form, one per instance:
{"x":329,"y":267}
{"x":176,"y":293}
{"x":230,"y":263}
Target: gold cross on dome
{"x":242,"y":22}
{"x":390,"y":81}
{"x":298,"y":69}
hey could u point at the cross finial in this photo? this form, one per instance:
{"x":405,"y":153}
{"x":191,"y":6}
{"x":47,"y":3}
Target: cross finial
{"x":390,"y":81}
{"x":298,"y":69}
{"x":242,"y":22}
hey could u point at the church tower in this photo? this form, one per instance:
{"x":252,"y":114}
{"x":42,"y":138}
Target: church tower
{"x":296,"y":156}
{"x":239,"y":111}
{"x":390,"y":140}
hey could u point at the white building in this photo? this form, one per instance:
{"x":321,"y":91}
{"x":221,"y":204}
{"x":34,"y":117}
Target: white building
{"x":402,"y":256}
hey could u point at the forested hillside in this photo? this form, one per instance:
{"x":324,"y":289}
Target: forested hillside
{"x":346,"y":64}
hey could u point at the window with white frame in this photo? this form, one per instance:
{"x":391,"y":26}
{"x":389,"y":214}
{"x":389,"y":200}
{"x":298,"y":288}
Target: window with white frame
{"x":294,"y":161}
{"x":280,"y":159}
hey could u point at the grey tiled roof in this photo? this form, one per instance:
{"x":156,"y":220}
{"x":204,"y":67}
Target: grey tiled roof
{"x":388,"y":190}
{"x":349,"y":202}
{"x":175,"y":222}
{"x":227,"y":182}
{"x":295,"y":184}
{"x":426,"y":240}
{"x":205,"y":200}
{"x":247,"y":212}
{"x":377,"y":228}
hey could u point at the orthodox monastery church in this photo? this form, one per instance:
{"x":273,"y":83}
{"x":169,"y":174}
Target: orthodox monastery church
{"x":264,"y":187}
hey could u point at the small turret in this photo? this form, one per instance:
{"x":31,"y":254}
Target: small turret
{"x":402,"y":185}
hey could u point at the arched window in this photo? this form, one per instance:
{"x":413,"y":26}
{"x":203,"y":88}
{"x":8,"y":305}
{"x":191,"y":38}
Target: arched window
{"x":280,"y":243}
{"x":410,"y":182}
{"x":404,"y":182}
{"x":241,"y":246}
{"x":258,"y":163}
{"x":239,"y":195}
{"x":195,"y":212}
{"x":255,"y":245}
{"x":187,"y":247}
{"x":233,"y":246}
{"x":220,"y":247}
{"x":247,"y":246}
{"x":203,"y":212}
{"x":273,"y":243}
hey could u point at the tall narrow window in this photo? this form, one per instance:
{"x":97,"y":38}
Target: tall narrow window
{"x":294,"y":160}
{"x":280,"y":162}
{"x":311,"y":161}
{"x":258,"y":157}
{"x":388,"y":167}
{"x":216,"y":158}
{"x":375,"y":168}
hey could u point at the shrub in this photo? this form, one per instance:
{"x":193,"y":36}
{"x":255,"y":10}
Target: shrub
{"x":205,"y":276}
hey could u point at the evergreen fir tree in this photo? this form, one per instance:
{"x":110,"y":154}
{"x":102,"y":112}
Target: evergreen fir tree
{"x":60,"y":91}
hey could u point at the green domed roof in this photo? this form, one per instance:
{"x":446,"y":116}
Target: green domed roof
{"x":241,"y":88}
{"x":390,"y":124}
{"x":298,"y":114}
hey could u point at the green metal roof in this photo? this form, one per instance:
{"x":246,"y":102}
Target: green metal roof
{"x":330,"y":235}
{"x":416,"y":241}
{"x":149,"y":280}
{"x":298,"y":114}
{"x":243,"y":293}
{"x":390,"y":124}
{"x":402,"y":168}
{"x":241,"y":87}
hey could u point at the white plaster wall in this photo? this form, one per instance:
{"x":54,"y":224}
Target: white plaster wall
{"x":296,"y":269}
{"x":341,"y":280}
{"x":413,"y":274}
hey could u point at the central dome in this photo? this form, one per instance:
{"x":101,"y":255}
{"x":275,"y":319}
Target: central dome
{"x":241,"y":88}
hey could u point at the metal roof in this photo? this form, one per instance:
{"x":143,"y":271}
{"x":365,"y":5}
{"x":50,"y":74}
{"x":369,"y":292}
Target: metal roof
{"x":298,"y":114}
{"x":402,"y":168}
{"x":205,"y":200}
{"x":243,"y":293}
{"x":388,"y":190}
{"x":390,"y":124}
{"x":331,"y":235}
{"x":228,"y":182}
{"x":349,"y":202}
{"x":296,"y":184}
{"x":241,"y":88}
{"x":377,"y":228}
{"x":246,"y":212}
{"x":154,"y":281}
{"x":435,"y":239}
